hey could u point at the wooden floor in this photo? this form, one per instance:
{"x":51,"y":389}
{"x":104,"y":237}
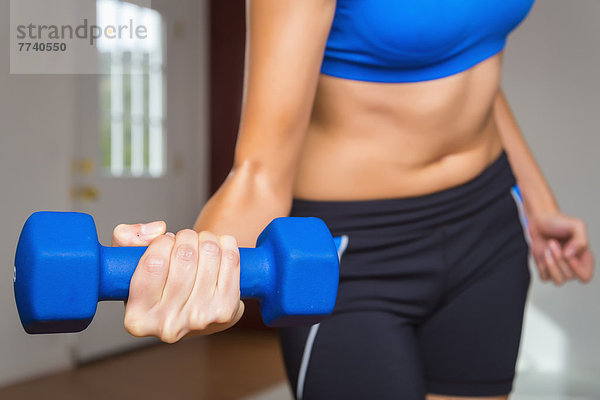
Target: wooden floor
{"x":229,"y":365}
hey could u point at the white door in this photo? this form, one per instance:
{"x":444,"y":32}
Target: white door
{"x":140,"y":146}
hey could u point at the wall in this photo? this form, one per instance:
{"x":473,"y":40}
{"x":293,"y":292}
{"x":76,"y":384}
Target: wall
{"x":36,"y":123}
{"x":551,"y":80}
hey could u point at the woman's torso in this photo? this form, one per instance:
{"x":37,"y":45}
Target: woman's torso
{"x":374,"y":138}
{"x":371,"y":140}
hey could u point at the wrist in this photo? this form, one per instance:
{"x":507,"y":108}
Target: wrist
{"x":539,"y":203}
{"x":535,"y":208}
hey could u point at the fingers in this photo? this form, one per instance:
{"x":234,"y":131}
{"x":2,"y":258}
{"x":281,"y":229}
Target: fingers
{"x":553,"y":269}
{"x":201,"y":306}
{"x":560,"y":259}
{"x":560,"y":268}
{"x":147,"y":285}
{"x":578,"y":254}
{"x":209,"y":260}
{"x":582,"y":265}
{"x":562,"y":249}
{"x":182,"y":271}
{"x":138,"y":234}
{"x":538,"y":255}
{"x":228,"y":281}
{"x":215,"y":300}
{"x":585,"y":269}
{"x":578,"y":241}
{"x":148,"y":280}
{"x":187,"y":283}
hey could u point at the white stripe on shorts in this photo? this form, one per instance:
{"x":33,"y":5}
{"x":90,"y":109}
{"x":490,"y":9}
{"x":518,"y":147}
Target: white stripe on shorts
{"x":312,"y":334}
{"x":521,"y":209}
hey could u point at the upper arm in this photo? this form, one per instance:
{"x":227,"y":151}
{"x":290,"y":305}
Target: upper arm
{"x":285,"y":44}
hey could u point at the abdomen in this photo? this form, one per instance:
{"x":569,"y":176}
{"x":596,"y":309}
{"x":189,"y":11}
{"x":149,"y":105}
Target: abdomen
{"x":371,"y":140}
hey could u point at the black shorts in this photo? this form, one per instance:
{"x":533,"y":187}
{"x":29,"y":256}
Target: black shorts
{"x":431,"y":297}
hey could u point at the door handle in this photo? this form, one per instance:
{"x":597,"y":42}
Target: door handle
{"x":83,"y":166}
{"x":85,"y":193}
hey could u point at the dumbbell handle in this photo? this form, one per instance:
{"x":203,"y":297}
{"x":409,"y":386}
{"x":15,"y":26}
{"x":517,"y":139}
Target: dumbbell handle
{"x":117,"y":265}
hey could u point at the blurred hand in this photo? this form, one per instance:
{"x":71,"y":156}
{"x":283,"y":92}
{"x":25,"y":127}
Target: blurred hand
{"x":184,"y":283}
{"x":560,"y":247}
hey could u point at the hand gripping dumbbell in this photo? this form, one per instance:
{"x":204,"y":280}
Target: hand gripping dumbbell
{"x":61,"y":272}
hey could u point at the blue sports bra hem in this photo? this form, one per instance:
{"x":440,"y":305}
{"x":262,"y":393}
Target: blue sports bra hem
{"x":345,"y":69}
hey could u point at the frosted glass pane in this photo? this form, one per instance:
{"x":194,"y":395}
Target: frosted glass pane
{"x":132,"y":93}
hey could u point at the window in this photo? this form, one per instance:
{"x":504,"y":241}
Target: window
{"x":132,"y":117}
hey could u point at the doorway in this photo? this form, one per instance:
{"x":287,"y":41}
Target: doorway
{"x":139,"y":155}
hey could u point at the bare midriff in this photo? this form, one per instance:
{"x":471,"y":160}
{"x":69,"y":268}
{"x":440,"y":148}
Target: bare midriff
{"x":369,"y":140}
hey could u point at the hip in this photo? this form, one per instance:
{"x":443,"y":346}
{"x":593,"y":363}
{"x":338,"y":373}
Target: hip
{"x":412,"y":250}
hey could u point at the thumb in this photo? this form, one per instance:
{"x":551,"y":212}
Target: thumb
{"x":137,"y":234}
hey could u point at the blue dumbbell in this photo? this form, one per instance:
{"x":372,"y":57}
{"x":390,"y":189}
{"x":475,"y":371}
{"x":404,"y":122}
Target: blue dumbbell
{"x":61,"y":272}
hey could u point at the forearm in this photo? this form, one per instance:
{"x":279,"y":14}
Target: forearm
{"x":537,"y":196}
{"x":285,"y":44}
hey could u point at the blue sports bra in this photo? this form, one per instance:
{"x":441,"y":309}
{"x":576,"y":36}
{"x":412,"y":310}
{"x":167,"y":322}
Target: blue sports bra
{"x":416,"y":40}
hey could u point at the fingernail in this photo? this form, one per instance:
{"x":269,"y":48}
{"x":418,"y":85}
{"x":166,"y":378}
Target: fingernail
{"x":548,"y":252}
{"x":170,"y":234}
{"x":152,"y":228}
{"x":570,"y":252}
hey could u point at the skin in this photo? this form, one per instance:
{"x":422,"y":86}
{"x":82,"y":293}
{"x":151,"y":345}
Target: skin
{"x":311,"y":136}
{"x":185,"y":284}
